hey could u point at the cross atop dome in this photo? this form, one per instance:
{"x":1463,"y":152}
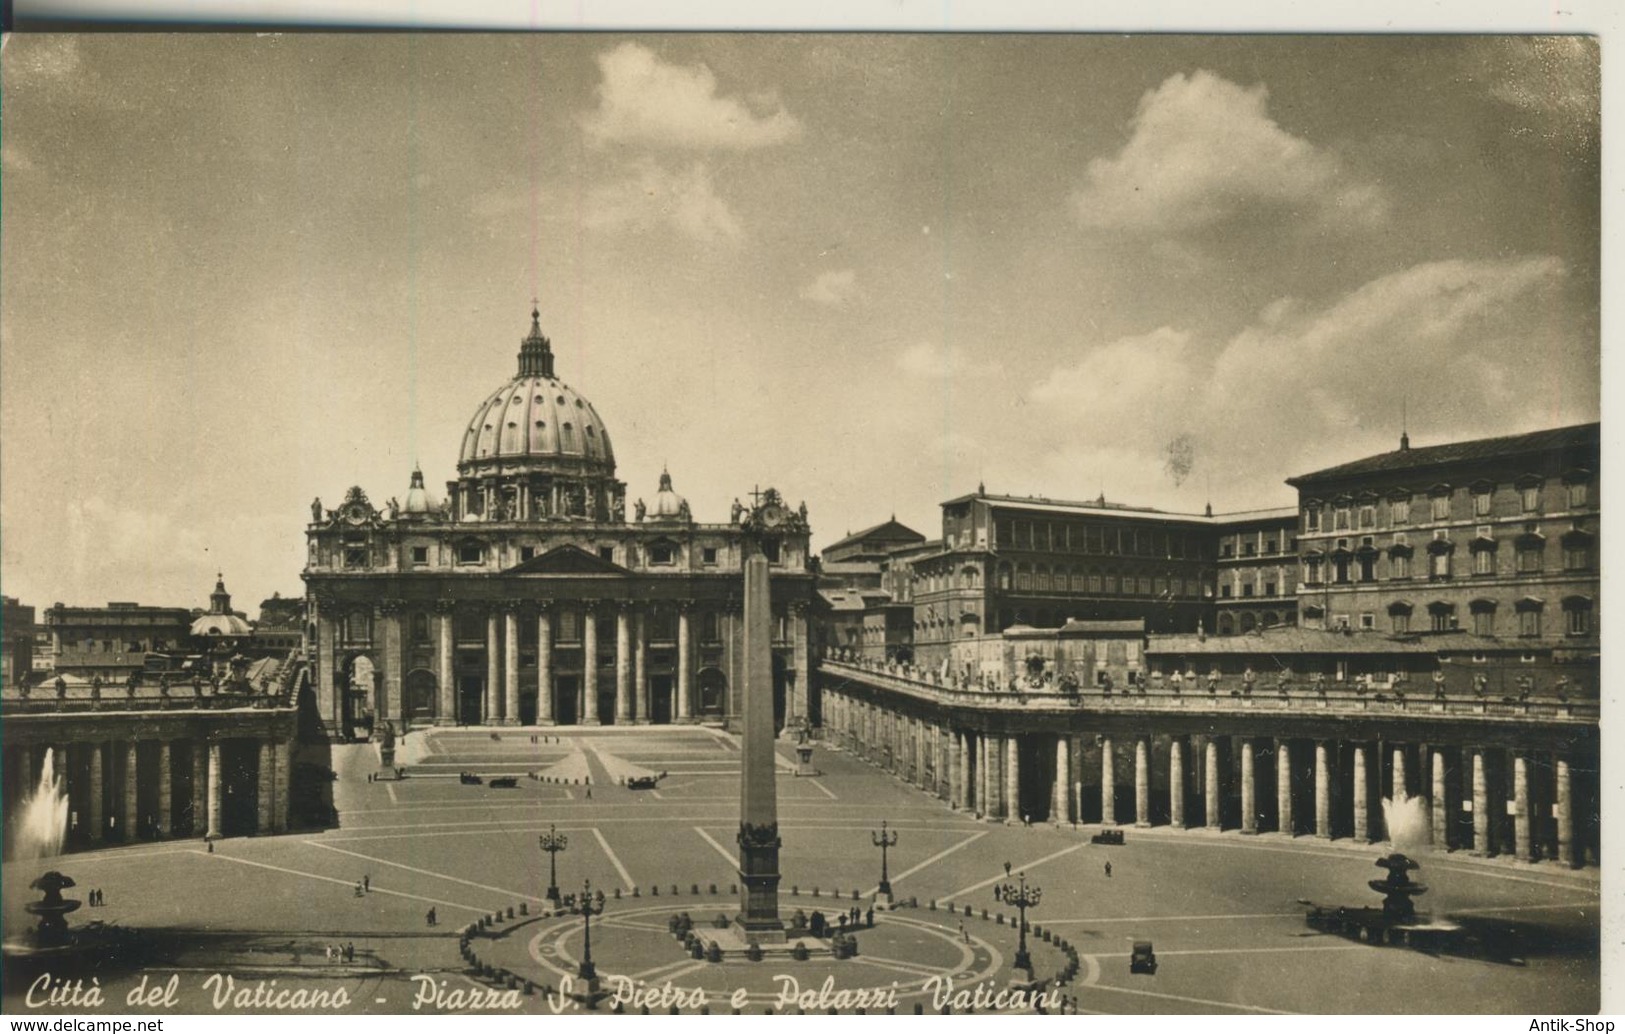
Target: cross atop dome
{"x":535,"y":351}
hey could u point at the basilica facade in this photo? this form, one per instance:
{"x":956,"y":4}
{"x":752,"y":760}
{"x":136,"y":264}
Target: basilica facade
{"x":533,"y":594}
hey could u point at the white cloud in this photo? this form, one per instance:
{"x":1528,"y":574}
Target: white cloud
{"x":654,"y":196}
{"x":1204,"y":152}
{"x":642,"y":99}
{"x":1466,"y":342}
{"x":835,"y":288}
{"x":942,"y":362}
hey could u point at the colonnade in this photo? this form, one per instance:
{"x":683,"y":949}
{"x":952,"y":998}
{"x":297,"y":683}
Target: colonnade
{"x":128,"y":789}
{"x":1485,"y":799}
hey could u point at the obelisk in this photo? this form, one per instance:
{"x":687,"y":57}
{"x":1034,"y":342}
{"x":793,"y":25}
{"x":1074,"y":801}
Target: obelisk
{"x":758,"y":796}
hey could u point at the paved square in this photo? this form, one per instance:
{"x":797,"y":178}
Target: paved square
{"x":1221,"y":908}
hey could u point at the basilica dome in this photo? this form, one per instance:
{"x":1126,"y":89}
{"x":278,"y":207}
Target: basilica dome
{"x":536,"y":421}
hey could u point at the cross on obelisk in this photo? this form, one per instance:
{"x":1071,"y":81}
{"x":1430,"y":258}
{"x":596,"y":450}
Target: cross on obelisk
{"x":758,"y":795}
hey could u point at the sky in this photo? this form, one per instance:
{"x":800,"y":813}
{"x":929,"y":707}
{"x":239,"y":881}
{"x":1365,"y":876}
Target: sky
{"x":873,"y":271}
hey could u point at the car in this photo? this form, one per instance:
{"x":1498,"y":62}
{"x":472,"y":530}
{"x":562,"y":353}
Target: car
{"x":1142,"y":959}
{"x":469,"y":779}
{"x":1110,"y":837}
{"x":504,"y":782}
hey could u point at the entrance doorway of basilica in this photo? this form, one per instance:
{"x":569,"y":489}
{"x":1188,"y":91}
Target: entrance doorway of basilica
{"x":567,"y":689}
{"x":422,"y":697}
{"x":470,"y":697}
{"x":660,"y":691}
{"x":713,"y":693}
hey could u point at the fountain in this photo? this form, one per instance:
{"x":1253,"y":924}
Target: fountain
{"x":1397,"y":921}
{"x":1397,"y":888}
{"x":52,"y":909}
{"x":42,"y":821}
{"x":1408,"y":821}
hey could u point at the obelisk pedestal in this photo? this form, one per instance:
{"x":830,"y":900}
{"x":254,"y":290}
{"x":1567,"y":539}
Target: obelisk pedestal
{"x":759,"y":842}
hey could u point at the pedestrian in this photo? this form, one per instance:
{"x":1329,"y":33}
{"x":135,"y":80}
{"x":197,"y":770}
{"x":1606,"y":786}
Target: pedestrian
{"x":433,"y":919}
{"x":1108,"y":870}
{"x":962,"y":934}
{"x":211,"y":846}
{"x":871,"y":922}
{"x":358,"y":891}
{"x":328,"y":950}
{"x":589,"y":793}
{"x":366,"y":882}
{"x":349,"y":952}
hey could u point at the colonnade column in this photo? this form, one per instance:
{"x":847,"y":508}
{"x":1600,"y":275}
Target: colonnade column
{"x":588,"y":710}
{"x":1249,"y":789}
{"x":1481,"y":806}
{"x":640,"y":667}
{"x":265,"y":789}
{"x":448,"y":691}
{"x":200,"y":785}
{"x":1565,"y":814}
{"x":1440,"y":807}
{"x":1520,"y":807}
{"x":493,"y":667}
{"x":984,"y":775}
{"x":213,"y":828}
{"x":1283,"y":788}
{"x":1061,"y":810}
{"x":1142,"y":780}
{"x":685,"y":698}
{"x":623,"y":671}
{"x":544,"y":668}
{"x":1323,"y":793}
{"x":166,"y":790}
{"x":801,"y":694}
{"x":510,"y":660}
{"x":956,"y":747}
{"x":1401,"y":784}
{"x":98,"y":825}
{"x":279,"y":788}
{"x":1108,"y":782}
{"x":1362,"y":809}
{"x":1012,"y":780}
{"x":1176,"y":782}
{"x":1210,"y":777}
{"x":131,"y":818}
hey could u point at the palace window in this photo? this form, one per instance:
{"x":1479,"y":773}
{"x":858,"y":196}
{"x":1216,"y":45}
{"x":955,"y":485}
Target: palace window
{"x":1576,"y":556}
{"x":1224,"y":591}
{"x":1341,"y":519}
{"x":355,"y":556}
{"x":710,"y":627}
{"x":1577,"y":615}
{"x":1311,"y":519}
{"x":1529,"y":496}
{"x":606,"y":553}
{"x":1400,"y":511}
{"x":470,"y":553}
{"x":708,"y":555}
{"x":1401,"y":620}
{"x":1441,"y":507}
{"x":1529,"y":619}
{"x":568,"y":628}
{"x":420,"y":555}
{"x":1442,"y":616}
{"x":1529,"y":558}
{"x":1481,"y":503}
{"x":1368,"y":621}
{"x":1340,"y":570}
{"x":1483,"y":617}
{"x":1249,"y":549}
{"x":527,"y":553}
{"x":420,"y":628}
{"x":1094,"y":582}
{"x":1311,"y":571}
{"x":661,"y":553}
{"x":1368,"y":516}
{"x":1579,"y":494}
{"x":356,"y":626}
{"x":1024,"y":577}
{"x":1483,"y":561}
{"x":1145,"y":586}
{"x":1368,"y":566}
{"x":1439,"y":565}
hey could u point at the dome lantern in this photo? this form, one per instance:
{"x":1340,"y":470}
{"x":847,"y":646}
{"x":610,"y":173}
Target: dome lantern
{"x":536,"y":351}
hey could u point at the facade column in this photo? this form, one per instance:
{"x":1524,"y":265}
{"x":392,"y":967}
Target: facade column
{"x":265,"y":788}
{"x":98,"y":824}
{"x":200,"y":784}
{"x":1439,"y":806}
{"x":1481,"y":805}
{"x":623,"y":667}
{"x":1520,"y":808}
{"x":1566,"y":854}
{"x":544,"y":668}
{"x":131,"y":817}
{"x":1061,"y":810}
{"x":493,"y":668}
{"x":1142,"y":780}
{"x":1176,"y":782}
{"x":448,"y":690}
{"x":1210,"y":777}
{"x":685,"y":695}
{"x":213,"y":828}
{"x":1362,"y":808}
{"x":1108,"y":782}
{"x":1323,"y":793}
{"x":510,"y":663}
{"x":279,"y":788}
{"x":640,"y":667}
{"x":1012,"y":780}
{"x":166,"y":790}
{"x":1283,"y":788}
{"x":1249,"y":789}
{"x":1401,"y":785}
{"x":589,"y":666}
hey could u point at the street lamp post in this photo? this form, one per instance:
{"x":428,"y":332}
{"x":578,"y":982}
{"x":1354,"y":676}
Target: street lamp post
{"x":553,"y":842}
{"x":587,"y":904}
{"x":1022,"y":897}
{"x":884,"y":841}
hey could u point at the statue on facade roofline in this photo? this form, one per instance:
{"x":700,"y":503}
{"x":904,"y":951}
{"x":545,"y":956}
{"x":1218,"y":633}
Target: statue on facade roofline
{"x":683,"y":513}
{"x":316,"y":510}
{"x":617,"y":509}
{"x":394,"y":508}
{"x":738,"y":510}
{"x":639,"y":511}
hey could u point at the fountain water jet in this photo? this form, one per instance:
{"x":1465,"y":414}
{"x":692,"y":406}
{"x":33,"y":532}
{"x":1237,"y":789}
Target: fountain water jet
{"x":42,"y":820}
{"x":1408,"y":820}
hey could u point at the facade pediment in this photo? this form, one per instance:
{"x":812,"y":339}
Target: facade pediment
{"x":568,"y":560}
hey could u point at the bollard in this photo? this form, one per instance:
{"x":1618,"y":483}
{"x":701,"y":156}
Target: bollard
{"x":919,"y":1008}
{"x":617,"y":893}
{"x":733,"y":888}
{"x":795,"y":891}
{"x":1001,"y":918}
{"x":854,"y":895}
{"x":967,"y":911}
{"x":694,"y":889}
{"x":674,"y":890}
{"x":713,"y":888}
{"x":634,"y":892}
{"x":815,"y":892}
{"x":933,"y":904}
{"x":654,"y":890}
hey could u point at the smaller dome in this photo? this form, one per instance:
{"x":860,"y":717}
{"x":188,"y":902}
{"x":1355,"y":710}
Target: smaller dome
{"x":418,"y":499}
{"x":669,"y":506}
{"x":223,"y":625}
